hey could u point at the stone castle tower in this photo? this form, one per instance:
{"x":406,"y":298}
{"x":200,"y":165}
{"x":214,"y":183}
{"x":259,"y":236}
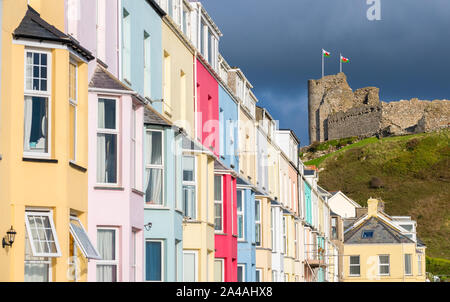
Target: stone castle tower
{"x":336,"y":111}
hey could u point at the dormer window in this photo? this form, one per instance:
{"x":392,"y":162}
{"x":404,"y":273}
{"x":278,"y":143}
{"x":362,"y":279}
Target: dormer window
{"x":367,"y":234}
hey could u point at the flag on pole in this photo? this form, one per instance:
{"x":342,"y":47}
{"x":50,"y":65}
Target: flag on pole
{"x":344,"y":60}
{"x":325,"y":53}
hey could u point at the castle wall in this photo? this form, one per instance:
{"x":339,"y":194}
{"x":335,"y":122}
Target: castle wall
{"x":362,"y":121}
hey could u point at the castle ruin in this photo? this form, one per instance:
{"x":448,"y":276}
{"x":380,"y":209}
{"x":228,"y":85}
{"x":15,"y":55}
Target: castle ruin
{"x":336,"y":111}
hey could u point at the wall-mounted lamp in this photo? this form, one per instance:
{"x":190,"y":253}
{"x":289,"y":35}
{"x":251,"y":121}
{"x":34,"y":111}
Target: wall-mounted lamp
{"x":8,"y":240}
{"x":148,"y":226}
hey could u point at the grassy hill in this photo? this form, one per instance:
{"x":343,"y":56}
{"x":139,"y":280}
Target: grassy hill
{"x":415,"y":176}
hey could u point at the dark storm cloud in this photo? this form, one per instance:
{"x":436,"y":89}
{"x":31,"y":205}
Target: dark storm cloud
{"x":278,"y":46}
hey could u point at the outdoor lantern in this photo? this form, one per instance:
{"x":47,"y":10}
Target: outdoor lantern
{"x":148,"y":226}
{"x":8,"y":240}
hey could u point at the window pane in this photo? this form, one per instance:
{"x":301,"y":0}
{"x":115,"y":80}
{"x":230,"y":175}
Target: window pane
{"x":153,"y":256}
{"x":384,"y":269}
{"x":384,"y":259}
{"x":106,"y":273}
{"x":82,"y":239}
{"x":72,"y":81}
{"x":217,"y":187}
{"x":258,"y":276}
{"x":354,"y":259}
{"x":218,"y":217}
{"x":72,"y":131}
{"x":106,"y":114}
{"x":189,"y":267}
{"x":240,"y":274}
{"x":408,"y":264}
{"x":258,"y":234}
{"x":154,"y":148}
{"x":189,"y":206}
{"x":107,"y":158}
{"x":240,"y":227}
{"x":257,"y":210}
{"x":239,"y":200}
{"x":218,"y":271}
{"x":106,"y":244}
{"x":36,"y":272}
{"x":188,"y":168}
{"x":355,"y":270}
{"x":154,"y":191}
{"x":36,"y":125}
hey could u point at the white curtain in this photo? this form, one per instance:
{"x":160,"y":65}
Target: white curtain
{"x":154,"y":175}
{"x":28,"y":118}
{"x":36,"y":272}
{"x":106,"y":248}
{"x":101,"y":158}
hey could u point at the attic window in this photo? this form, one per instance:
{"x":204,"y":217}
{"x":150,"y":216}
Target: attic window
{"x":367,"y":234}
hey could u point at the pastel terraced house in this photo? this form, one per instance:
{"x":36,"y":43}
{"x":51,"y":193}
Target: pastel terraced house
{"x":44,"y":132}
{"x":377,"y":248}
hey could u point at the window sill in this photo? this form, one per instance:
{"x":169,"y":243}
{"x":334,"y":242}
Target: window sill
{"x":109,"y":188}
{"x":77,"y":167}
{"x":40,"y":160}
{"x":136,"y":191}
{"x":156,"y":207}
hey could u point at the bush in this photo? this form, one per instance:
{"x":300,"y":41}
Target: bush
{"x":313,"y":147}
{"x":376,"y":183}
{"x":412,"y":144}
{"x":439,"y":267}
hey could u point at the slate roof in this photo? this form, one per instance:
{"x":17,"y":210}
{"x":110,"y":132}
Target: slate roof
{"x":105,"y":80}
{"x":151,"y":117}
{"x":34,"y":27}
{"x":190,"y":144}
{"x":382,"y":233}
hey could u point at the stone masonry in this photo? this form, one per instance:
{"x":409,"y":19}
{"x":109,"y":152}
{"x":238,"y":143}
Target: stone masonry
{"x":335,"y":111}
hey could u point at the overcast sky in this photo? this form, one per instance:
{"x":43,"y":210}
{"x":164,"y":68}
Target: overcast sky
{"x":278,"y":46}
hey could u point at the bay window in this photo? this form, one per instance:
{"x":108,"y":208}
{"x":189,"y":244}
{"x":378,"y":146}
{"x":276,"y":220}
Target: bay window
{"x":108,"y":247}
{"x":189,"y":187}
{"x":107,"y":141}
{"x":37,"y":103}
{"x":154,"y":167}
{"x":240,"y":214}
{"x":218,"y":203}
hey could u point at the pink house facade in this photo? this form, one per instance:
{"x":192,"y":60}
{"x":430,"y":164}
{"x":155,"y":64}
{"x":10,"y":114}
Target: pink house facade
{"x":115,"y":113}
{"x":207,"y":109}
{"x":225,"y":222}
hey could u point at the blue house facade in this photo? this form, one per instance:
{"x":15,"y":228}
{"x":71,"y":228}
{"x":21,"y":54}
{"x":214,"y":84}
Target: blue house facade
{"x":141,"y":49}
{"x":228,"y":130}
{"x":249,"y":233}
{"x":163,"y":240}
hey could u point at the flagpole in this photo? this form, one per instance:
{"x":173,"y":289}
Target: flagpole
{"x":323,"y":66}
{"x":340,"y":62}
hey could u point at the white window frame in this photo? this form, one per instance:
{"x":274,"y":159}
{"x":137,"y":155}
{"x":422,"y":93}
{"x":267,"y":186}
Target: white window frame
{"x":410,"y":265}
{"x":114,"y":132}
{"x":350,"y":265}
{"x":49,"y":214}
{"x":241,"y":213}
{"x":260,"y":272}
{"x":195,"y":253}
{"x":133,"y":266}
{"x":74,"y":104}
{"x":419,"y":264}
{"x":381,"y":264}
{"x":43,"y":94}
{"x":219,"y":202}
{"x":258,"y":222}
{"x":157,"y":167}
{"x":133,"y":151}
{"x":162,"y":260}
{"x":190,"y":183}
{"x":243,"y":271}
{"x":296,"y":240}
{"x":78,"y":241}
{"x":115,"y":262}
{"x":222,"y":263}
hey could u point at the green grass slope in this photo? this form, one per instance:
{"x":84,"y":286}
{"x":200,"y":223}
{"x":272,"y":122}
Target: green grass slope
{"x":415,"y":173}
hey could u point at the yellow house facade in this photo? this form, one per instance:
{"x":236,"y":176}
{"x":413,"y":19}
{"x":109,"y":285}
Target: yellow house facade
{"x":198,"y":231}
{"x":178,"y":76}
{"x":264,"y":251}
{"x":43,"y":145}
{"x":376,"y":249}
